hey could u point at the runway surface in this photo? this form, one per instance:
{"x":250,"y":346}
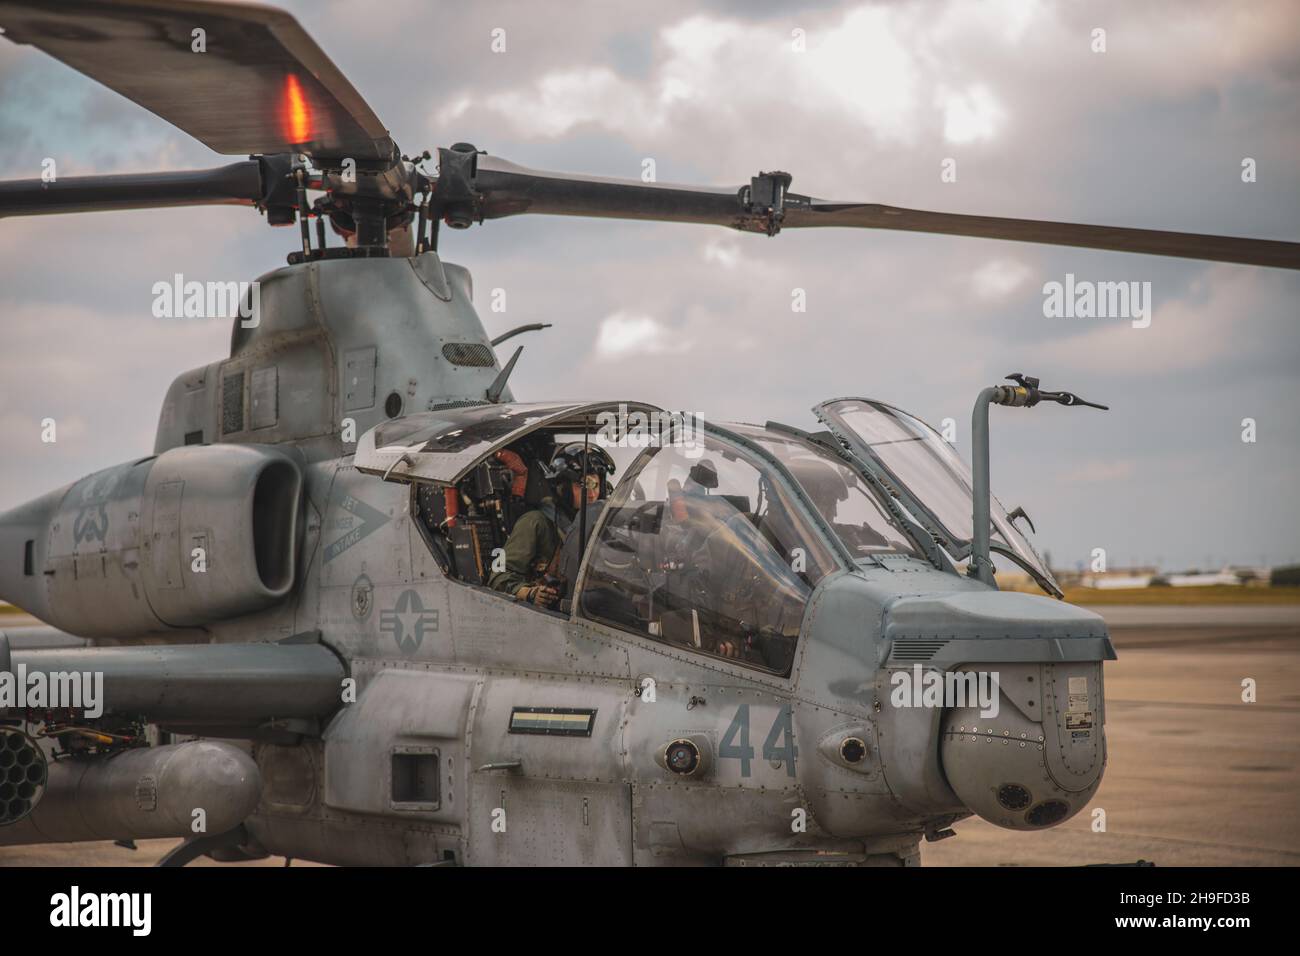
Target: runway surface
{"x":1196,"y":777}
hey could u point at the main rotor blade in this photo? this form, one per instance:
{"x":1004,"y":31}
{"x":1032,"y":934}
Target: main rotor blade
{"x":504,"y":189}
{"x":238,"y":78}
{"x":509,"y":190}
{"x":1155,"y":242}
{"x":238,"y":183}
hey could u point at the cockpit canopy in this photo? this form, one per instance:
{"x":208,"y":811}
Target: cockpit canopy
{"x":441,"y":446}
{"x":932,"y":481}
{"x":843,"y":498}
{"x":703,"y":547}
{"x":714,"y":537}
{"x":705,"y":542}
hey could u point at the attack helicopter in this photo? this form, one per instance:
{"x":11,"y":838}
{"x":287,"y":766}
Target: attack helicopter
{"x":288,"y":606}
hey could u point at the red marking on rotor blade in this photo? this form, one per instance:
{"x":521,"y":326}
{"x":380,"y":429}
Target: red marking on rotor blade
{"x":297,"y":115}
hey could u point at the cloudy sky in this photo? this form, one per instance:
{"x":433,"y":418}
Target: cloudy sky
{"x":1151,"y":133}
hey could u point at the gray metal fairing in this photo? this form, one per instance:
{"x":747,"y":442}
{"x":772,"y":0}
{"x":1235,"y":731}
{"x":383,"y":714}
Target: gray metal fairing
{"x":334,"y":340}
{"x":109,"y":556}
{"x":951,"y":629}
{"x":865,"y":625}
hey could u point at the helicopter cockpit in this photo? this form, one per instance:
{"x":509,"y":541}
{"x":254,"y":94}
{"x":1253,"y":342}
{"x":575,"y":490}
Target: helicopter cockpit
{"x":702,"y":547}
{"x":476,"y":470}
{"x":703,"y":543}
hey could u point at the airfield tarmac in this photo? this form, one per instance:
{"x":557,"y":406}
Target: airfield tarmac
{"x":1195,"y":776}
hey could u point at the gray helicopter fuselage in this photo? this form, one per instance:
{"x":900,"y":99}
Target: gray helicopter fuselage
{"x":473,"y":728}
{"x":442,"y":667}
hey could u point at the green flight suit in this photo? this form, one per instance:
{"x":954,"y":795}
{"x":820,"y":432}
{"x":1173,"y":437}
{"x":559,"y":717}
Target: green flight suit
{"x":530,"y":548}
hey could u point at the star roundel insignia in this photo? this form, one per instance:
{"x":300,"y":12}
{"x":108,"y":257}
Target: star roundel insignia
{"x":408,"y":620}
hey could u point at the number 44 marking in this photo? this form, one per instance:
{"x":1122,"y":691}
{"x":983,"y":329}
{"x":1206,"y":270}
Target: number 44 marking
{"x":735,"y":742}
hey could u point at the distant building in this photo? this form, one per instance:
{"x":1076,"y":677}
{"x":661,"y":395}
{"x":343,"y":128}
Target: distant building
{"x":1140,"y":577}
{"x":1151,"y":577}
{"x":1204,"y":579}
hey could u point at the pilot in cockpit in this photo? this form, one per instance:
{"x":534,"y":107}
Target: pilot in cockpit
{"x":826,"y":486}
{"x":541,"y":552}
{"x":710,"y":547}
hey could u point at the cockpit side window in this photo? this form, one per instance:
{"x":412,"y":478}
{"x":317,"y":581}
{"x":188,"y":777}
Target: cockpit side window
{"x":703,"y":549}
